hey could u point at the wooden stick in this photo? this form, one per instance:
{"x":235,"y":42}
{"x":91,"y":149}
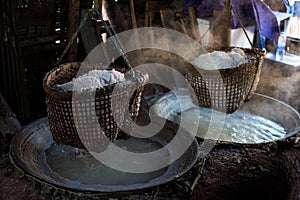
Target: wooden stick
{"x":183,"y":27}
{"x":136,"y":34}
{"x":193,"y":19}
{"x":146,"y":13}
{"x":162,"y":16}
{"x":198,"y":176}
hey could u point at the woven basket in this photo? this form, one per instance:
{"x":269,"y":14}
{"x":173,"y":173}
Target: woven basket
{"x":60,"y":108}
{"x":226,"y":89}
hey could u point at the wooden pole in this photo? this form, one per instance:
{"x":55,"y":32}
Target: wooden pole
{"x":227,"y":15}
{"x":138,"y":58}
{"x":194,"y":24}
{"x":221,"y":29}
{"x":132,"y":13}
{"x":98,"y":4}
{"x":73,"y":22}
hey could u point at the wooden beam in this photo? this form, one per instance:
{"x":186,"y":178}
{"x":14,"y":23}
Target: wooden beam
{"x":40,"y":40}
{"x":43,"y":48}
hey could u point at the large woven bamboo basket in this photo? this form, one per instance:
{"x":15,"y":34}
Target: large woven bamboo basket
{"x":60,"y":108}
{"x":227,"y":89}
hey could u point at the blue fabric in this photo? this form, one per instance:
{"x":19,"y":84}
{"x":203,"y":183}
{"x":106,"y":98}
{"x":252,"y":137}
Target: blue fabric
{"x":250,"y":12}
{"x":297,"y":8}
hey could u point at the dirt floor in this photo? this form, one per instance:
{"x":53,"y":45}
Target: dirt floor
{"x":13,"y":184}
{"x":269,"y":171}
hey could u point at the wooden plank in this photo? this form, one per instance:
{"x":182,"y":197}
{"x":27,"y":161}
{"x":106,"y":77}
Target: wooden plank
{"x":43,"y":48}
{"x":40,"y":40}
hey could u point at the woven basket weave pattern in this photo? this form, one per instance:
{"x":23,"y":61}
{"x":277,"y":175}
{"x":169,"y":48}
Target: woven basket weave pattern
{"x":226,"y":89}
{"x":61,"y":107}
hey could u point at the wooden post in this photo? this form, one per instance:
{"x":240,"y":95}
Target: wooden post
{"x":98,"y":4}
{"x":194,"y":24}
{"x":138,"y":57}
{"x":221,"y":29}
{"x":132,"y":13}
{"x":73,"y":22}
{"x":227,"y":16}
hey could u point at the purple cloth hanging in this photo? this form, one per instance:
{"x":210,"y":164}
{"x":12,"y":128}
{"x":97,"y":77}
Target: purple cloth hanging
{"x":266,"y":20}
{"x":250,"y":12}
{"x":204,"y":8}
{"x":243,"y":9}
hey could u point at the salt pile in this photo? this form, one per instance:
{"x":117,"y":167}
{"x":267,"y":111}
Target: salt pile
{"x":221,"y":59}
{"x":92,"y":80}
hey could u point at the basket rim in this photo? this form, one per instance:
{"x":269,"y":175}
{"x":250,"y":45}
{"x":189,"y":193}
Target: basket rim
{"x":58,"y":93}
{"x":240,"y":75}
{"x":256,"y":55}
{"x":255,"y":51}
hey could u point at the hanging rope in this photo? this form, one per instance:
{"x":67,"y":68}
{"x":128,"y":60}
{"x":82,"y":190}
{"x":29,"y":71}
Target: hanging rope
{"x":240,"y":21}
{"x":115,"y":41}
{"x":73,"y":38}
{"x":109,"y":32}
{"x":243,"y":27}
{"x":210,"y":27}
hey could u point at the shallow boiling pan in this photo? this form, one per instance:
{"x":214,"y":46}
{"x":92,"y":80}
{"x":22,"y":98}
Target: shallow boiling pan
{"x":28,"y":154}
{"x":259,"y":105}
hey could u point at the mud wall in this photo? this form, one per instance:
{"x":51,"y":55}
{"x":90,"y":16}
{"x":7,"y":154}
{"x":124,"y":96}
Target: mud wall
{"x":281,"y":82}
